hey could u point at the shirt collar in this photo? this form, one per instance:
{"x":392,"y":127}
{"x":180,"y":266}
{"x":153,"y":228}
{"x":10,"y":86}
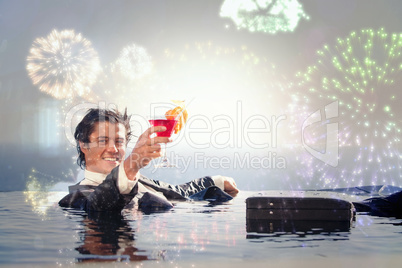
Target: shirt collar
{"x":94,"y":176}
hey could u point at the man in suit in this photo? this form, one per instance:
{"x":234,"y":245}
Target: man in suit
{"x":112,"y":182}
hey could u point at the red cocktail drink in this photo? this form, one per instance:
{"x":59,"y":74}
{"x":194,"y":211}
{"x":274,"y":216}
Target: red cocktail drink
{"x":168,"y":123}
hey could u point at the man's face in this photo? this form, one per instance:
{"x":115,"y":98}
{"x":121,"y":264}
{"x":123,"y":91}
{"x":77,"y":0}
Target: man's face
{"x":107,"y":147}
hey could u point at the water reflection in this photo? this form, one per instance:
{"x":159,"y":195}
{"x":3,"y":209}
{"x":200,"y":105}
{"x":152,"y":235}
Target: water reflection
{"x":107,"y":237}
{"x":310,"y":227}
{"x":298,"y":234}
{"x":114,"y":237}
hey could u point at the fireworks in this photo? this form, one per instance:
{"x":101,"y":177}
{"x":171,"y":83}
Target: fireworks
{"x":134,"y":62}
{"x":363,"y":73}
{"x":123,"y":81}
{"x":63,"y":64}
{"x":266,"y":16}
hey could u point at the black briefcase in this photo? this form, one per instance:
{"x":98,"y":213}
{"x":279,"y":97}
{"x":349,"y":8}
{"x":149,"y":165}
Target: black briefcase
{"x":268,"y":214}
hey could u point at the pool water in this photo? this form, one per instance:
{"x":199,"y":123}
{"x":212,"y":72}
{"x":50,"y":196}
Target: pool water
{"x":35,"y":231}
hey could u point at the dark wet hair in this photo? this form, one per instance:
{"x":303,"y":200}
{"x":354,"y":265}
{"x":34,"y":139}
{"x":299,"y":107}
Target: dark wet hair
{"x":87,"y":125}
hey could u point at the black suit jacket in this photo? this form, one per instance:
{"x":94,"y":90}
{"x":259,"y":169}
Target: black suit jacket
{"x":107,"y":197}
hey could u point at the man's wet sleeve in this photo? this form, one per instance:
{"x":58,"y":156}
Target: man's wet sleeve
{"x":179,"y":191}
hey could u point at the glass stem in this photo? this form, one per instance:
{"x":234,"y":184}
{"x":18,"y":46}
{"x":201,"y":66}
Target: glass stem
{"x":164,"y":153}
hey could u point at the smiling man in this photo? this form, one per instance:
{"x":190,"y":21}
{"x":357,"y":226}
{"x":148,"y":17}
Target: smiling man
{"x":106,"y":147}
{"x":112,"y":182}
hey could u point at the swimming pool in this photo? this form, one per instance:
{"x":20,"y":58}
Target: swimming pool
{"x":35,"y":231}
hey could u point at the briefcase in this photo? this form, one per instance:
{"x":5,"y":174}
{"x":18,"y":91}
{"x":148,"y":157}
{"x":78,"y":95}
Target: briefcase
{"x":297,"y":213}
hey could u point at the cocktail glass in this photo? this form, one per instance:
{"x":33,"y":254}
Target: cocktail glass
{"x":169,"y":124}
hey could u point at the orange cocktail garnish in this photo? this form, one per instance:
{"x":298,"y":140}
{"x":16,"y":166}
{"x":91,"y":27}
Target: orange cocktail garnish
{"x":179,"y":113}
